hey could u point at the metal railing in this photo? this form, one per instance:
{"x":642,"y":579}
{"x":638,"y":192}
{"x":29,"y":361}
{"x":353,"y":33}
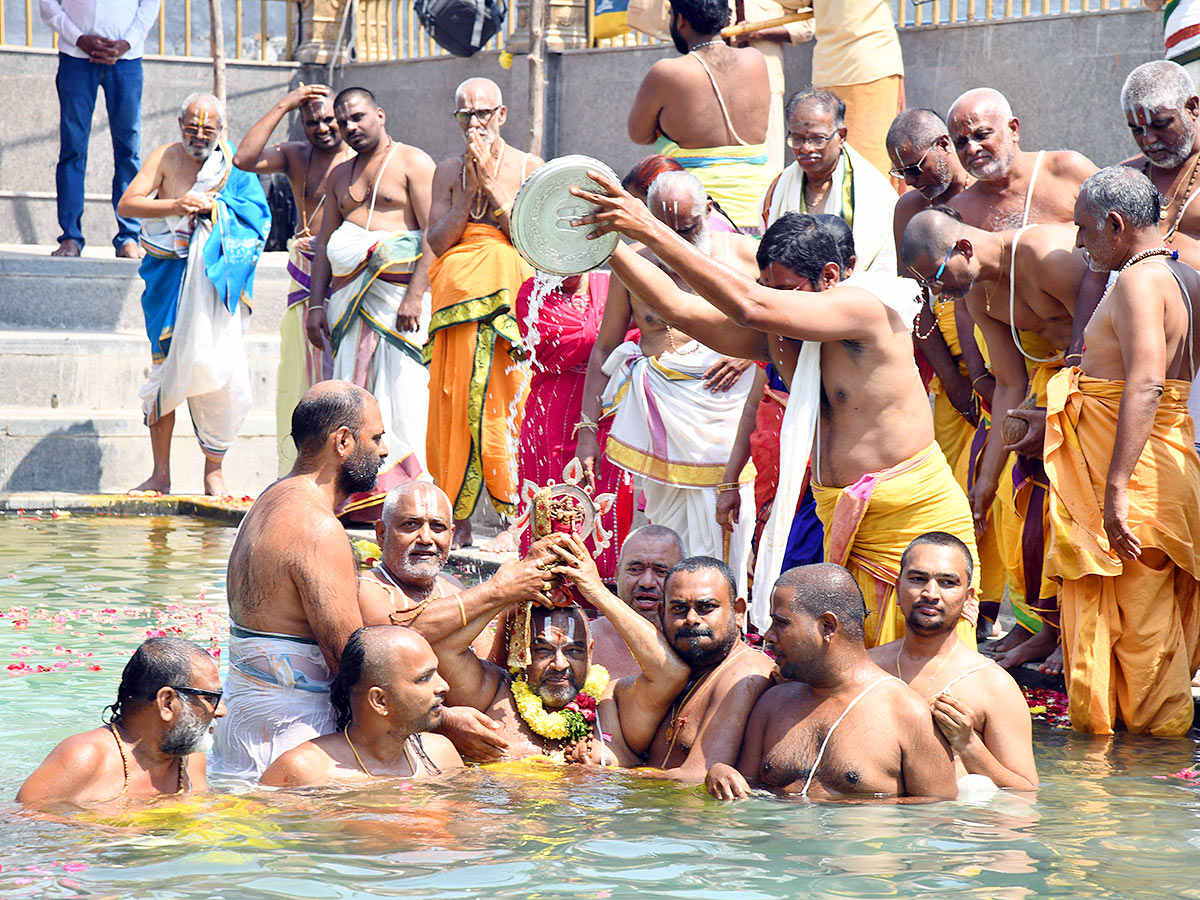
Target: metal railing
{"x":388,"y":29}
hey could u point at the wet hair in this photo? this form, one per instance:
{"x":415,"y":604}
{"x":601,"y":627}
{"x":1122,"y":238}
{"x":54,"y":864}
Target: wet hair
{"x":653,"y":531}
{"x":704,"y":564}
{"x":843,"y":234}
{"x":801,"y":243}
{"x":642,"y":175}
{"x":355,"y":93}
{"x":319,"y":414}
{"x":1125,"y":191}
{"x":705,"y":16}
{"x":676,"y":183}
{"x":159,"y":662}
{"x":920,"y":127}
{"x":824,"y":100}
{"x":350,"y":673}
{"x":941,"y":539}
{"x":206,"y":99}
{"x":826,"y":587}
{"x":1157,"y":85}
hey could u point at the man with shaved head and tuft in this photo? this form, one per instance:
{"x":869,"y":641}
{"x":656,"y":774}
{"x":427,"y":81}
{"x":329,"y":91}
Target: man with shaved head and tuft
{"x":476,"y":400}
{"x":388,"y":697}
{"x":204,"y":225}
{"x":293,"y":583}
{"x":840,"y":726}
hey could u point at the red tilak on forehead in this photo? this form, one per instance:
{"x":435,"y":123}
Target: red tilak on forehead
{"x":1140,"y":115}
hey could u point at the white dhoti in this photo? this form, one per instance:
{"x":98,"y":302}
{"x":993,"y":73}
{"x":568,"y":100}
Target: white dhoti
{"x":676,"y":436}
{"x":370,"y":271}
{"x":276,"y":698}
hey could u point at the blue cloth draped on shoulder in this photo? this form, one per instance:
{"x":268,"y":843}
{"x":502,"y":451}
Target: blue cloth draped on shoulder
{"x":240,"y":221}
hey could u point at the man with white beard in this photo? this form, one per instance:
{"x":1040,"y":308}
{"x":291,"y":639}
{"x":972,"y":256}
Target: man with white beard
{"x":155,"y":742}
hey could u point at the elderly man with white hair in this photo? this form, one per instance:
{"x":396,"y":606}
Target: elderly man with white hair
{"x":204,"y":225}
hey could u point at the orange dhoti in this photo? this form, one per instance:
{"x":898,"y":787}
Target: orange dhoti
{"x":477,"y":387}
{"x":1130,"y":629}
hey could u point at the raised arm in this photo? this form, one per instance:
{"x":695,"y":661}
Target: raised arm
{"x":253,"y":155}
{"x":614,"y":325}
{"x":691,"y":314}
{"x":839,"y":313}
{"x":448,"y":215}
{"x":325,"y":575}
{"x":643,"y":701}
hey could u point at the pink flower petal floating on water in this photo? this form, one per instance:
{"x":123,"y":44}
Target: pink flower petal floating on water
{"x":74,"y":867}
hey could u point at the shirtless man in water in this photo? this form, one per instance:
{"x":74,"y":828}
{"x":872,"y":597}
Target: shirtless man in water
{"x":885,"y":744}
{"x":976,"y":705}
{"x":293,"y":583}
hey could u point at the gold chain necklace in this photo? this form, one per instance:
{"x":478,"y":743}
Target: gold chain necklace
{"x":358,"y":759}
{"x":478,"y":209}
{"x":932,"y":677}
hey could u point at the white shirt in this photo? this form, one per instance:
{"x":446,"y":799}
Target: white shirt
{"x":123,"y":20}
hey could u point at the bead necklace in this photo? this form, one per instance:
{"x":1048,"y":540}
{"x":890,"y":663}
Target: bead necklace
{"x":917,"y":321}
{"x":671,"y":343}
{"x":1133,"y":260}
{"x":479,"y":203}
{"x":707,"y":44}
{"x":1182,"y":205}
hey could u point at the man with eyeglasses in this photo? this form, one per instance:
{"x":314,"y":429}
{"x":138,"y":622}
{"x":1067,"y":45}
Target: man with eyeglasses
{"x":829,"y":176}
{"x":879,"y":479}
{"x":370,"y":260}
{"x":155,"y":740}
{"x":204,"y":225}
{"x":477,"y":382}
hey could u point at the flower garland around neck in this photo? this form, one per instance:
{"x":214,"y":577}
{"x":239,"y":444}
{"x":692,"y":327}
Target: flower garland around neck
{"x":572,"y":722}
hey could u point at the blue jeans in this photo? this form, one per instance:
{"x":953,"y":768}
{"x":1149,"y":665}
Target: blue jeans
{"x":77,"y":82}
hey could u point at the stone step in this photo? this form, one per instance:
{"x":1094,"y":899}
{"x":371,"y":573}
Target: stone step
{"x":105,"y":452}
{"x":99,"y":294}
{"x":101,"y":372}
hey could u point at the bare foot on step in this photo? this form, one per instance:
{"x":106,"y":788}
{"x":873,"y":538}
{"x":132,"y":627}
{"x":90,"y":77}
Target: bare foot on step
{"x":154,"y":484}
{"x":1054,"y":662}
{"x":1036,"y":648}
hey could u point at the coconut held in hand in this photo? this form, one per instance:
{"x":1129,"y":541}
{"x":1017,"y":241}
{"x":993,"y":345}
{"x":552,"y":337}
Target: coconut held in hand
{"x":1014,"y":428}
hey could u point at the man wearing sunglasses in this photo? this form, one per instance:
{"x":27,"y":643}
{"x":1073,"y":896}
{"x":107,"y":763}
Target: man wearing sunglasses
{"x":856,"y":398}
{"x":1021,"y":288}
{"x":829,"y":176}
{"x":473,"y":376}
{"x":155,"y":740}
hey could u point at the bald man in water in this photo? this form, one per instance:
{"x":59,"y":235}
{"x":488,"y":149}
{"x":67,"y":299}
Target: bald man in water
{"x":841,"y":726}
{"x":388,"y":699}
{"x":293,"y":582}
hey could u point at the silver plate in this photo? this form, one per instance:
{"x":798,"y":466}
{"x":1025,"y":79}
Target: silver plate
{"x":540,"y":222}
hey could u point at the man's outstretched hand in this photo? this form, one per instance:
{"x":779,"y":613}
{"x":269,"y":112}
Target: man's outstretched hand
{"x":619,"y":210}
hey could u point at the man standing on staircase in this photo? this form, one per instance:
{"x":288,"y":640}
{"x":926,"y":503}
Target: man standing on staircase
{"x":204,"y":227}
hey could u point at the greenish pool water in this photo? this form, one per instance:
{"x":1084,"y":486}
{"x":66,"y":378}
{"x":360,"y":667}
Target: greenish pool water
{"x":1104,"y":824}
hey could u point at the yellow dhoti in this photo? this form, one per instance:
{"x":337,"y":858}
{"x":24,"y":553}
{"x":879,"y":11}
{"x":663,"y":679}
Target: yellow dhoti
{"x":301,"y":365}
{"x":476,"y":388}
{"x":1131,"y":629}
{"x":869,"y":524}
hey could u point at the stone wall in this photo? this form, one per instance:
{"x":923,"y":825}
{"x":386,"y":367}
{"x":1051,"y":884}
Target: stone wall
{"x":1063,"y":75}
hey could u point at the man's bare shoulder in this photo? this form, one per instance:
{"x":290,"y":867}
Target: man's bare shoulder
{"x":744,"y":251}
{"x":414,"y":156}
{"x":911,"y":203}
{"x":441,"y":750}
{"x":885,"y":655}
{"x":752,"y":663}
{"x":1134,"y":162}
{"x":83,"y":750}
{"x":777,"y":698}
{"x":309,"y":763}
{"x":74,"y":764}
{"x":1069,"y":164}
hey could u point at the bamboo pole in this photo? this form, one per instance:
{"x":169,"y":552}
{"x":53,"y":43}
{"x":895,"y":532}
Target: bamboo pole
{"x":217,"y":42}
{"x":537,"y":74}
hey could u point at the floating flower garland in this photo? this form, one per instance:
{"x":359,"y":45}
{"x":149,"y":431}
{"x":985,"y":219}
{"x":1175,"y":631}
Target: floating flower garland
{"x":574,"y":721}
{"x":1047,"y":705}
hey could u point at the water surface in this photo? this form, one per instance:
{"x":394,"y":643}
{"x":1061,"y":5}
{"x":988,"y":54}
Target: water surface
{"x":1106,"y":823}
